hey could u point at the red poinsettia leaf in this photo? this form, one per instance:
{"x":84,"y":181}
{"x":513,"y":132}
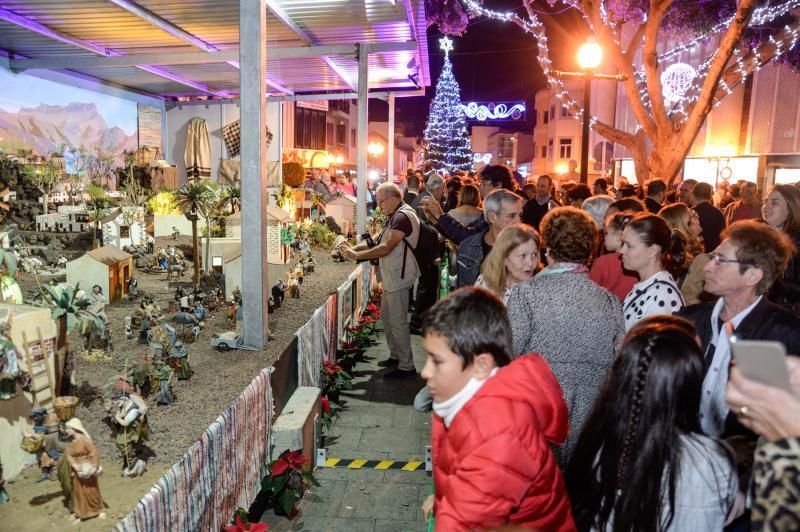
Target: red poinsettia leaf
{"x":238,"y":527}
{"x":280,"y":467}
{"x":326,"y":405}
{"x":299,"y":460}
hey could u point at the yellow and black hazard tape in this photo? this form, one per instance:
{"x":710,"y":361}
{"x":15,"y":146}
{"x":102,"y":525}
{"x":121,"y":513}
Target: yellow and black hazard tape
{"x":375,"y":464}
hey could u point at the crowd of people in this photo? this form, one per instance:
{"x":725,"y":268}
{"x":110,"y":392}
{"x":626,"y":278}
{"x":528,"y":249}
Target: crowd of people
{"x":581,"y":375}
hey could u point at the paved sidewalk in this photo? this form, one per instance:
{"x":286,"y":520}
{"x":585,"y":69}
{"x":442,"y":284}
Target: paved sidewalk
{"x":379,"y":423}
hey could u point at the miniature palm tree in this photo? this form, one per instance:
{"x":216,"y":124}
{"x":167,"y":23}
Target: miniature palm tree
{"x":231,"y":196}
{"x":210,"y":210}
{"x":67,"y":310}
{"x":318,"y":202}
{"x":194,"y":198}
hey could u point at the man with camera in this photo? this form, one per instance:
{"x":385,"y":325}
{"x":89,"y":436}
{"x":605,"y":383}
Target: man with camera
{"x":397,"y":267}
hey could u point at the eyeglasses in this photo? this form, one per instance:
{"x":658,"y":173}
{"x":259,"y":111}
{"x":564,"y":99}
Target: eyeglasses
{"x":719,"y":259}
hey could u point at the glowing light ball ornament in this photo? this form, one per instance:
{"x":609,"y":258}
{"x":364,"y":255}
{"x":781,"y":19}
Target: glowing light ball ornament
{"x":676,"y":81}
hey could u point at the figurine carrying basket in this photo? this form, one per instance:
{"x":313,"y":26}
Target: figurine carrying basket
{"x":65,"y":407}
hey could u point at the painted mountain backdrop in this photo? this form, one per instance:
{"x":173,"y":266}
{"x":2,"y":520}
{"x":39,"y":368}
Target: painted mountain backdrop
{"x":45,"y":127}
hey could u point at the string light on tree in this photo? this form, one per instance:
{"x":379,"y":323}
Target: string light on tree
{"x":446,"y":141}
{"x":676,"y":80}
{"x":784,"y":41}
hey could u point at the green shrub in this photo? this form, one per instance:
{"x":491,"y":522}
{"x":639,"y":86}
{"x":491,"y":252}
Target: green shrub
{"x":320,"y":236}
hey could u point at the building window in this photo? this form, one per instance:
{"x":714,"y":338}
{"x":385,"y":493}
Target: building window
{"x":544,"y":116}
{"x":565,"y":112}
{"x":550,"y":149}
{"x":565,"y":148}
{"x":341,"y":134}
{"x":309,"y":128}
{"x":353,"y":138}
{"x":506,"y":147}
{"x":553,"y":112}
{"x":340,"y":105}
{"x":329,"y":132}
{"x":124,"y":231}
{"x":544,"y":152}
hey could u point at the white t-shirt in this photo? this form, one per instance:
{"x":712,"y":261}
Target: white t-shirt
{"x":657,"y":295}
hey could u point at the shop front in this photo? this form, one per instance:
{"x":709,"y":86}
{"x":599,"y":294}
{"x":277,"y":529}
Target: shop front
{"x":711,"y":170}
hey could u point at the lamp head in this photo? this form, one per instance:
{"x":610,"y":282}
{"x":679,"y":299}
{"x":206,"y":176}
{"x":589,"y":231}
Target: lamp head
{"x":590,"y":55}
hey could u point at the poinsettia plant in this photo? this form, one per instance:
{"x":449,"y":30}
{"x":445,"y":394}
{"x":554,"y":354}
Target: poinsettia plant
{"x":373,"y":310}
{"x":288,"y":480}
{"x":375,"y":295}
{"x":330,"y":410}
{"x":359,"y":333}
{"x":335,"y":378}
{"x":241,"y":523}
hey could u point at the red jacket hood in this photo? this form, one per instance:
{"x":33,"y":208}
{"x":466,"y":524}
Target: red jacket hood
{"x":529,"y":379}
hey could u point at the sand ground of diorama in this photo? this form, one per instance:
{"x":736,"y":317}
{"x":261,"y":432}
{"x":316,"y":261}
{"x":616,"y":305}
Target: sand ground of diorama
{"x":218,"y":379}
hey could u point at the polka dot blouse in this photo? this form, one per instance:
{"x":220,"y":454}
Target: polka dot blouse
{"x":657,"y":295}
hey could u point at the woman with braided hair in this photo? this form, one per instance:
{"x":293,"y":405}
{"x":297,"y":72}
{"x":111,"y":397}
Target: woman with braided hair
{"x":641,"y":463}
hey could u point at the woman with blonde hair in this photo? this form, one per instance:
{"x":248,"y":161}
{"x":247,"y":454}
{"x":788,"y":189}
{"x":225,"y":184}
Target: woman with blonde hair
{"x":469,"y":205}
{"x":514,"y":259}
{"x":679,"y":217}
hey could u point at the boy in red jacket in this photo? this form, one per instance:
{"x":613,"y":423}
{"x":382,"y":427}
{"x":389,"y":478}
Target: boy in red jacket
{"x":494,"y":421}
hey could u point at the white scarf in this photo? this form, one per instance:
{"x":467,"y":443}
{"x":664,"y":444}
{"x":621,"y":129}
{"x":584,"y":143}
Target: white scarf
{"x":448,"y":409}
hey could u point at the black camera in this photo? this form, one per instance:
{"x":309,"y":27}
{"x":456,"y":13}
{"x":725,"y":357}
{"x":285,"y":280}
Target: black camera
{"x":366,"y":237}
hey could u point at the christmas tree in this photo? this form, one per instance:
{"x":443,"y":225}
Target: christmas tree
{"x":446,"y":143}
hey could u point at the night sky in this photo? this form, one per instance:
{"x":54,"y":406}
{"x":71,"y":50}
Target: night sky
{"x":493,"y":61}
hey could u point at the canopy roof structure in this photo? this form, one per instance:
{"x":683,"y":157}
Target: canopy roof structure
{"x":174,"y":49}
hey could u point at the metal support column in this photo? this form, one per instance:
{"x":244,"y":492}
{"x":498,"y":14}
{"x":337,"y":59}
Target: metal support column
{"x":362,"y":137}
{"x":253,"y":76}
{"x":587,"y":101}
{"x":390,"y":139}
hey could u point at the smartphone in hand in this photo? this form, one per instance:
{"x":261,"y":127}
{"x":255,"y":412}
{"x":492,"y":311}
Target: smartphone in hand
{"x":763,"y":362}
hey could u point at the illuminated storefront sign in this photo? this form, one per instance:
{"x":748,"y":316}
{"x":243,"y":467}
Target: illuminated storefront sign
{"x":308,"y":158}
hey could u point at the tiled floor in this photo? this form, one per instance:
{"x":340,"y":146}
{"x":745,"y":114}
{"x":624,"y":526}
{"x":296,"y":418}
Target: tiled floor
{"x":378,"y":423}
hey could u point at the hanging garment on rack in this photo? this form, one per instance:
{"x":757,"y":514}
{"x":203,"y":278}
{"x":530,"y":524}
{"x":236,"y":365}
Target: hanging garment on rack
{"x":232,"y":136}
{"x":198,"y":150}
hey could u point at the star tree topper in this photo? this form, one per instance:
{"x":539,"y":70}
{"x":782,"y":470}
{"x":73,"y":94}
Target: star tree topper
{"x":446,"y":44}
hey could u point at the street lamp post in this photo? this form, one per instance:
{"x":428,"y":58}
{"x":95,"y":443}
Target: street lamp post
{"x":375,"y":149}
{"x":590,"y":56}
